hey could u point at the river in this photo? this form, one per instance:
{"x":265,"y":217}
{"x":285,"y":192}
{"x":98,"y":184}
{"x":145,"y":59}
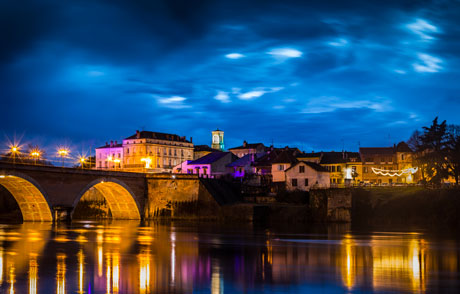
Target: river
{"x":129,"y":257}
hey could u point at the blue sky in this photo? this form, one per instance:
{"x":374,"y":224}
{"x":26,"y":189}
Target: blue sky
{"x":317,"y":75}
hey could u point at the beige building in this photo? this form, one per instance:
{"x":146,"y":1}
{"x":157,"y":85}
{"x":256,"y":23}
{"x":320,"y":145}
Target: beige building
{"x":388,"y":165}
{"x":246,"y":148}
{"x":145,"y":152}
{"x":305,"y":176}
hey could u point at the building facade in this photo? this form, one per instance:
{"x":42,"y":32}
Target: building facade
{"x":305,"y":176}
{"x":246,"y":148}
{"x":145,"y":151}
{"x":388,"y":165}
{"x":110,"y":156}
{"x":213,"y":165}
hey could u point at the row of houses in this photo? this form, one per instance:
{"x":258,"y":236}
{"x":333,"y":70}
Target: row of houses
{"x":257,"y":164}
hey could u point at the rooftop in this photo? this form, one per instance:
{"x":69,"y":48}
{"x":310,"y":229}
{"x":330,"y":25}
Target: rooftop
{"x":157,"y":135}
{"x":313,"y":165}
{"x":248,"y":146}
{"x":209,"y":158}
{"x":198,"y":148}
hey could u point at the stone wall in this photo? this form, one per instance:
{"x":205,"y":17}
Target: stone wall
{"x":331,"y":205}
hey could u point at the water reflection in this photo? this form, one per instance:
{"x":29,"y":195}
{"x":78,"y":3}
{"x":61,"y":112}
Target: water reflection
{"x":60,"y":273}
{"x":127,"y":258}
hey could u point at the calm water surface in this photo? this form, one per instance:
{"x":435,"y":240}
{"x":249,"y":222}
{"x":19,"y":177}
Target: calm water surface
{"x":128,"y":257}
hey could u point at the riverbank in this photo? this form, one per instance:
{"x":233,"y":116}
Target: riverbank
{"x":406,"y":206}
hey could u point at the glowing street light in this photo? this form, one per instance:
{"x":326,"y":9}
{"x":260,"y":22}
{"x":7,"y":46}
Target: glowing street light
{"x":35,"y":154}
{"x":63,"y":152}
{"x":14,"y":151}
{"x":117,"y":162}
{"x":82,"y":161}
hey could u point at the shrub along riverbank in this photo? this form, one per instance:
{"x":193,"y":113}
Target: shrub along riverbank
{"x":406,"y":206}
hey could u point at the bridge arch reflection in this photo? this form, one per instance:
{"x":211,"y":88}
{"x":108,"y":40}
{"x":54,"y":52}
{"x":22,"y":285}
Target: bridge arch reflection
{"x":120,"y":198}
{"x":30,"y":197}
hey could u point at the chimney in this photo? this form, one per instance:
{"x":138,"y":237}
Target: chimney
{"x":245,"y":143}
{"x":138,"y":134}
{"x":191,"y":139}
{"x":111,"y":143}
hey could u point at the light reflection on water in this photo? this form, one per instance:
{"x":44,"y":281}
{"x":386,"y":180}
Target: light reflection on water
{"x":128,"y":258}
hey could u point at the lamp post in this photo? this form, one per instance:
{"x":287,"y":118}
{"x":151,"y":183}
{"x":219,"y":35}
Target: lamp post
{"x":82,"y":161}
{"x":35,"y":154}
{"x":14,"y":150}
{"x":63,"y":153}
{"x":117,"y":162}
{"x":109,"y":159}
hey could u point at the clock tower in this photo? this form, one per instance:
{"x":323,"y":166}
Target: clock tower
{"x":218,"y":140}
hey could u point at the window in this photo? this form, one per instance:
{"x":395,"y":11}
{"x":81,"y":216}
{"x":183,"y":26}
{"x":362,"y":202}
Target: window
{"x":365,"y":169}
{"x":338,"y":168}
{"x":281,"y":167}
{"x":333,"y":168}
{"x":294,"y":182}
{"x":189,"y":171}
{"x":205,"y":170}
{"x":127,"y":151}
{"x":402,"y":157}
{"x":301,"y":169}
{"x":306,"y":182}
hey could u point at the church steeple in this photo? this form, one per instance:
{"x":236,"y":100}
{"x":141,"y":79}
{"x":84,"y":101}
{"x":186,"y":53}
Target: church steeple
{"x":218,"y":140}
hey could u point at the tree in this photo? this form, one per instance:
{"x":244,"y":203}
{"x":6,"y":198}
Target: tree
{"x":453,"y":151}
{"x":415,"y":143}
{"x":434,"y":152}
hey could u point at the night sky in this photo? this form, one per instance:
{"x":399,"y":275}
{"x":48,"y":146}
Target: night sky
{"x":318,"y":75}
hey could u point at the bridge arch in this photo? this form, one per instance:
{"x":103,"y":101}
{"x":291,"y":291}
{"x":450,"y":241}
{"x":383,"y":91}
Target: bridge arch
{"x":31,"y":198}
{"x":121,"y":200}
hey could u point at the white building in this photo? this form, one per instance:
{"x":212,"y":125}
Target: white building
{"x":305,"y":176}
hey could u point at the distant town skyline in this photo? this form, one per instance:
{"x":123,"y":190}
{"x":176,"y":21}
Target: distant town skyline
{"x":318,"y":75}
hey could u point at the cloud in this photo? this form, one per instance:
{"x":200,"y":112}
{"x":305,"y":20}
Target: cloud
{"x":234,"y":55}
{"x":173,"y":102}
{"x":325,"y":104}
{"x":222,"y":97}
{"x":258,"y":92}
{"x":422,"y":28}
{"x":430,"y":63}
{"x":251,"y":94}
{"x":339,"y":43}
{"x":285,"y":53}
{"x":400,"y":71}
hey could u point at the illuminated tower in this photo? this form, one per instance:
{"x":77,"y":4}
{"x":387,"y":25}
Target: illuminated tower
{"x":218,"y":140}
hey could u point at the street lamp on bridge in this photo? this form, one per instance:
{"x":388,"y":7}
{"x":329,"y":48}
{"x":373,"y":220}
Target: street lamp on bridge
{"x":63,"y":152}
{"x":35,"y":154}
{"x":14,"y":151}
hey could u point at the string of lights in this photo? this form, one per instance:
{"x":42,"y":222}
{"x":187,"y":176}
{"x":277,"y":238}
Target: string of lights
{"x":394,"y":173}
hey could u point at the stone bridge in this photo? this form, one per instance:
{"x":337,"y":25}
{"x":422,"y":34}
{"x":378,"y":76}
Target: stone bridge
{"x":42,"y":192}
